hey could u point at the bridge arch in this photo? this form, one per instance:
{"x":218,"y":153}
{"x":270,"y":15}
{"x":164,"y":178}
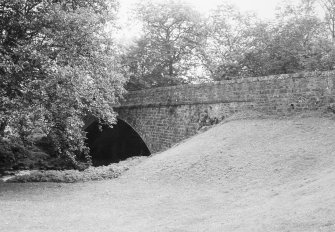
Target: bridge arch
{"x":112,"y":144}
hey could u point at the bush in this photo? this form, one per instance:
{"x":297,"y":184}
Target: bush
{"x":331,"y":108}
{"x":69,"y":176}
{"x":10,"y":155}
{"x":15,"y":156}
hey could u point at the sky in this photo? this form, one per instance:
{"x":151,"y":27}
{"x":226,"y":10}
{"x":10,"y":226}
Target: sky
{"x":265,"y":9}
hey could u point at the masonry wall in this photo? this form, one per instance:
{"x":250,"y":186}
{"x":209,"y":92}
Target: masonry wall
{"x":165,"y":116}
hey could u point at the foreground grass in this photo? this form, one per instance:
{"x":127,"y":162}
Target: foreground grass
{"x":269,"y":175}
{"x":69,"y":176}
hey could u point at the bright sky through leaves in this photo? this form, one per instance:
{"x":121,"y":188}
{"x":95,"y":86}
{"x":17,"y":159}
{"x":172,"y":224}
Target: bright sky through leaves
{"x":263,"y":8}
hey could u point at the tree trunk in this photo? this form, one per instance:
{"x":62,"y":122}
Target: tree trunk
{"x":170,"y":68}
{"x":2,"y":129}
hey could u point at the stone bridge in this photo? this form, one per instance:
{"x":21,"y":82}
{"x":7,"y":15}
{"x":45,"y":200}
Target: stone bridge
{"x":162,"y":117}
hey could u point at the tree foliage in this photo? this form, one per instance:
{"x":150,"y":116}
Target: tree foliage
{"x":165,"y":51}
{"x":57,"y":64}
{"x":238,"y":45}
{"x":329,"y":9}
{"x":226,"y":38}
{"x":178,"y":43}
{"x":294,"y":42}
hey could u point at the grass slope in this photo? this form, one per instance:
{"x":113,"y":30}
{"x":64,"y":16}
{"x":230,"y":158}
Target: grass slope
{"x":246,"y":175}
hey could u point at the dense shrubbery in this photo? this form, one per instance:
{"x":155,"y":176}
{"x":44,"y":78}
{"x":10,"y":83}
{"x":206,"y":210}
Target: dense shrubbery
{"x":15,"y":156}
{"x":92,"y":173}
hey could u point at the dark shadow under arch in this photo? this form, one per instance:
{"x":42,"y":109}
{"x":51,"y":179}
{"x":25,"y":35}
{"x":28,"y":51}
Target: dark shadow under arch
{"x":110,"y":145}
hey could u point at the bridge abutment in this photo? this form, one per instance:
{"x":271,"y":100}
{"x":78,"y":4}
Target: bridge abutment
{"x":167,"y":115}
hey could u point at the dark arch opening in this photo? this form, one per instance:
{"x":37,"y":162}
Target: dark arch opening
{"x":109,"y":145}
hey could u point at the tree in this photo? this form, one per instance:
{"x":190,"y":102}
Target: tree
{"x":295,"y":41}
{"x":329,"y":9}
{"x":161,"y":56}
{"x":226,"y":39}
{"x":57,"y":64}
